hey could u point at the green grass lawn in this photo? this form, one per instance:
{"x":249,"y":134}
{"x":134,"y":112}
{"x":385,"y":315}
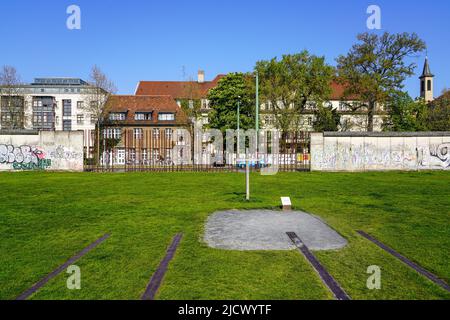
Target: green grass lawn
{"x":47,"y":217}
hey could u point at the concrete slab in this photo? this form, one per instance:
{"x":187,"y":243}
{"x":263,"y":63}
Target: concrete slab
{"x":266,"y":230}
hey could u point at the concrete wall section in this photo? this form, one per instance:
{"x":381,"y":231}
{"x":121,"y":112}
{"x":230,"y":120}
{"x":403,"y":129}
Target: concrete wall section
{"x":53,"y":151}
{"x":380,"y":151}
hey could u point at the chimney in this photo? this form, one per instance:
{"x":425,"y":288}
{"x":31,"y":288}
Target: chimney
{"x":201,"y":76}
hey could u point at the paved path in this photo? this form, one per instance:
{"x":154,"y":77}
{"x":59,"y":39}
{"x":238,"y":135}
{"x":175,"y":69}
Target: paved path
{"x":266,"y":230}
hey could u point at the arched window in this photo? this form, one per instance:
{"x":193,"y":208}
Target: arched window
{"x":422,"y":86}
{"x":429,"y":85}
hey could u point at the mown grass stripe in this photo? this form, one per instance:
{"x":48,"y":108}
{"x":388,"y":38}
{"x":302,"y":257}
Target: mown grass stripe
{"x":25,"y":295}
{"x":326,"y":277}
{"x":406,"y":261}
{"x":158,"y":276}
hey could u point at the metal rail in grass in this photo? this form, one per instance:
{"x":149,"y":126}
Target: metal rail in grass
{"x":25,"y":295}
{"x":326,"y":277}
{"x":158,"y":276}
{"x":406,"y":261}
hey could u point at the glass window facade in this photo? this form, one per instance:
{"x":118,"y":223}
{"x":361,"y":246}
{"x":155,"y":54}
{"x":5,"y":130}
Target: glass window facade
{"x":44,"y":113}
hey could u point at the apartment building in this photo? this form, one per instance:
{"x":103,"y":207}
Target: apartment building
{"x":143,"y":130}
{"x":49,"y":104}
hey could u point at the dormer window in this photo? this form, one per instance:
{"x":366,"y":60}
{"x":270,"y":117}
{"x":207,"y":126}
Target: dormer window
{"x":117,"y":116}
{"x":166,"y":117}
{"x":142,"y":116}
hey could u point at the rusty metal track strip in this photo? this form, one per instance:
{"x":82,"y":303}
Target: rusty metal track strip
{"x":158,"y":276}
{"x":408,"y":262}
{"x":25,"y":295}
{"x":328,"y":279}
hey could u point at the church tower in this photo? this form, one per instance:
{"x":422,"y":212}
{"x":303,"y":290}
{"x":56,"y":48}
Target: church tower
{"x":427,"y":83}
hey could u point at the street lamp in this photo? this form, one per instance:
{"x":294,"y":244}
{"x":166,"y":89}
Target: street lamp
{"x":257,"y":103}
{"x":238,"y":124}
{"x":257,"y":113}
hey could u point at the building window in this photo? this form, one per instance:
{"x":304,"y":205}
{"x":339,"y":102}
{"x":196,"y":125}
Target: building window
{"x":112,"y":133}
{"x":67,"y":125}
{"x":80,"y":105}
{"x":44,"y":113}
{"x":117,"y":116}
{"x":205,"y":104}
{"x":422,"y":85}
{"x":80,"y":119}
{"x":144,"y":155}
{"x":169,"y":133}
{"x":166,"y":117}
{"x":155,"y":133}
{"x":155,"y":154}
{"x":142,"y":116}
{"x":133,"y":155}
{"x":138,"y":133}
{"x":93,"y":119}
{"x":67,"y":108}
{"x":429,"y":85}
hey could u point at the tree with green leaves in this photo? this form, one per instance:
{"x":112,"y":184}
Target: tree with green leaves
{"x":326,"y":119}
{"x":405,"y":114}
{"x":290,"y":84}
{"x":233,"y":89}
{"x":375,"y":69}
{"x":439,"y":113}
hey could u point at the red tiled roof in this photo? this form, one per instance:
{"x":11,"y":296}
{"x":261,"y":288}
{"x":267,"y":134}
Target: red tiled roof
{"x":195,"y":90}
{"x":338,"y":90}
{"x":177,"y":89}
{"x":151,"y":103}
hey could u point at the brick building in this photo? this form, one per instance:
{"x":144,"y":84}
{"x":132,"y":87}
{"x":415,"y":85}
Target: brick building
{"x":142,"y":130}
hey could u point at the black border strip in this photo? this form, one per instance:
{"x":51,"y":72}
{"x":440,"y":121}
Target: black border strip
{"x":327,"y":278}
{"x":158,"y":276}
{"x":61,"y":268}
{"x":406,"y":261}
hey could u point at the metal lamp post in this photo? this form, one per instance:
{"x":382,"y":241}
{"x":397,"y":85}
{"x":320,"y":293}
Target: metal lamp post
{"x":257,"y":114}
{"x":238,"y":125}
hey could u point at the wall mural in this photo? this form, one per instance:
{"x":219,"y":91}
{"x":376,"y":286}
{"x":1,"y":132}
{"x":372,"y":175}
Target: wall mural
{"x":24,"y":157}
{"x":437,"y":155}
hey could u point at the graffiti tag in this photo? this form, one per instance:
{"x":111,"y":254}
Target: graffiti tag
{"x":64,"y":154}
{"x":23,"y":157}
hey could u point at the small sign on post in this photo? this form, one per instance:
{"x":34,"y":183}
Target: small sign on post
{"x":286,"y":203}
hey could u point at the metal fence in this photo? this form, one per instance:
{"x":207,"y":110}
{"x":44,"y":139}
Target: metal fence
{"x":165,"y":151}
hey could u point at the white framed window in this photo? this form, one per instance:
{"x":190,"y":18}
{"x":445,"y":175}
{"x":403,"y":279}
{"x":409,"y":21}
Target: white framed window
{"x":112,"y":133}
{"x":117,"y":116}
{"x":155,"y":133}
{"x":142,"y":116}
{"x":144,"y":154}
{"x":138,"y":133}
{"x":80,"y":119}
{"x":166,"y":117}
{"x":169,"y":133}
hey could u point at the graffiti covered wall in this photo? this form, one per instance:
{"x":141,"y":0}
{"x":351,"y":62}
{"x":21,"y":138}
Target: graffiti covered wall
{"x":56,"y":151}
{"x":332,"y":151}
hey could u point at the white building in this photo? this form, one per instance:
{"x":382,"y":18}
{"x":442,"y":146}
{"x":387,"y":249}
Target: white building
{"x":350,"y":120}
{"x":52,"y":104}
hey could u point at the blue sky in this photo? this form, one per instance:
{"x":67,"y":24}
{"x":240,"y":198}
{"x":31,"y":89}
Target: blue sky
{"x":154,"y":40}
